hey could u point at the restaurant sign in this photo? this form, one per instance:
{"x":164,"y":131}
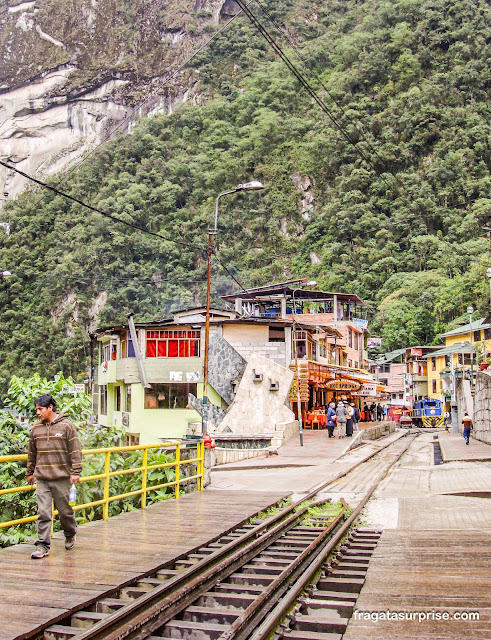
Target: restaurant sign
{"x":343,"y":385}
{"x":368,"y":389}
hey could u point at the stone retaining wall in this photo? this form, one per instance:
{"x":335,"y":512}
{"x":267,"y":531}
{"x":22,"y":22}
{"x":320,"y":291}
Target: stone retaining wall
{"x":482,"y":408}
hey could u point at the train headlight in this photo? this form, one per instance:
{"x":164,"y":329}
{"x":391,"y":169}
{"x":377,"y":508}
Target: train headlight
{"x":432,"y":412}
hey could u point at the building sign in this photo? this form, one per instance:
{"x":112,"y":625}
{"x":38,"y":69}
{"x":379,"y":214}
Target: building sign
{"x":368,"y":389}
{"x":416,"y":352}
{"x":343,"y":385}
{"x":73,"y":388}
{"x":362,"y":324}
{"x":374,"y":343}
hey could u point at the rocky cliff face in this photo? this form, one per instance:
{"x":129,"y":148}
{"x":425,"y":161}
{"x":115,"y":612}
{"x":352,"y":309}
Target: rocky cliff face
{"x":73,"y":70}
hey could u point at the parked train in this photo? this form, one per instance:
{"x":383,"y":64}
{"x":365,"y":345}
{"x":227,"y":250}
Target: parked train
{"x":427,"y":413}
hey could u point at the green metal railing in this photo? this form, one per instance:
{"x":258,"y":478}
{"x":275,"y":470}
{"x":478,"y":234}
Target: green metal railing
{"x":144,"y":468}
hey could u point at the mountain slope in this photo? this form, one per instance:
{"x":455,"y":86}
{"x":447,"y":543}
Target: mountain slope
{"x":409,"y":81}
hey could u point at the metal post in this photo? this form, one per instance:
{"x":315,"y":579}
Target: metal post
{"x":144,"y":477}
{"x":207,"y":338}
{"x":178,"y":470}
{"x":107,"y":468}
{"x":470,"y":311}
{"x":248,"y":186}
{"x":299,"y":403}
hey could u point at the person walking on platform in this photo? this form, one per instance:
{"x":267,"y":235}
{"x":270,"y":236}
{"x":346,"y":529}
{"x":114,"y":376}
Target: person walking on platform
{"x":349,"y":419}
{"x":331,"y":418}
{"x":341,"y":419}
{"x":446,"y":418}
{"x":356,"y":416}
{"x":54,"y":462}
{"x":467,"y":422}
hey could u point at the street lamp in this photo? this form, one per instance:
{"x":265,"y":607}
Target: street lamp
{"x":247,"y":186}
{"x":311,"y":283}
{"x":470,"y":311}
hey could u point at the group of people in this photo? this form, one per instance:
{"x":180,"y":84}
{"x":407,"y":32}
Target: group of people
{"x":378,"y":412}
{"x":345,"y":415}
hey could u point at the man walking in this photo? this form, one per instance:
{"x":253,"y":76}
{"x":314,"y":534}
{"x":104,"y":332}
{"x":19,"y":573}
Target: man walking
{"x":54,"y":462}
{"x":467,"y":423}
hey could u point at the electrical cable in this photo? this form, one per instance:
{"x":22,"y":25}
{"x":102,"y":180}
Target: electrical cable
{"x":306,"y":85}
{"x":100,"y":211}
{"x":331,"y":96}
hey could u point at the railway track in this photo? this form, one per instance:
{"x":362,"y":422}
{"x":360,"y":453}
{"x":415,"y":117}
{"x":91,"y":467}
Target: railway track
{"x":243,"y":584}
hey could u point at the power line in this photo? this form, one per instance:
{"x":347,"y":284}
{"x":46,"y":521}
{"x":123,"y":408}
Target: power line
{"x":100,"y":211}
{"x":331,"y":96}
{"x":306,"y":85}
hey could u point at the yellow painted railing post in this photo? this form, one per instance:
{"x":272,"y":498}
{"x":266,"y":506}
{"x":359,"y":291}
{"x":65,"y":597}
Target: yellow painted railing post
{"x":52,"y":517}
{"x":201,"y":456}
{"x":144,"y":477}
{"x":107,"y":469}
{"x":178,"y":473}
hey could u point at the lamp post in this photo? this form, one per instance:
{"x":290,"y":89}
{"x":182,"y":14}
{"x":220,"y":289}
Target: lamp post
{"x":247,"y":186}
{"x":311,"y":283}
{"x":470,"y":311}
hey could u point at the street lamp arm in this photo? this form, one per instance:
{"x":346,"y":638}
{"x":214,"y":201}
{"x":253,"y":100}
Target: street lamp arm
{"x":214,"y":231}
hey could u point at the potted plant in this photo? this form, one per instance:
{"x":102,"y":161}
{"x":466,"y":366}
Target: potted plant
{"x":485,"y":363}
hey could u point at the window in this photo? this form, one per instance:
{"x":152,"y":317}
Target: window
{"x":276,"y":334}
{"x":128,"y":398}
{"x":433,"y":364}
{"x":169,"y":396}
{"x":109,"y":351}
{"x":477,"y":336}
{"x":350,"y":338}
{"x":180,"y":343}
{"x":131,"y":439}
{"x":127,"y":349}
{"x":487,"y":334}
{"x":433,"y":386}
{"x":103,"y":399}
{"x":117,"y":398}
{"x":357,"y":343}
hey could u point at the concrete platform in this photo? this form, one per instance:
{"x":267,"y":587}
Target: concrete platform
{"x":454,"y":448}
{"x":434,"y":556}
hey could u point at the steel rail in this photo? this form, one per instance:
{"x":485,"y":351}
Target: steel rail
{"x":153,"y":609}
{"x":222,"y":560}
{"x":272,"y":620}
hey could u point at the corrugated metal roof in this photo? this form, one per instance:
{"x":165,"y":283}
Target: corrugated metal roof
{"x":476,"y":324}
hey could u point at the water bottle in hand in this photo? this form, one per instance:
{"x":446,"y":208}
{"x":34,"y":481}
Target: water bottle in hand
{"x":72,"y":496}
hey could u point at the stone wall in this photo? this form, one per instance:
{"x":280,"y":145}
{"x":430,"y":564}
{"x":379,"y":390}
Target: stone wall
{"x":275,"y":351}
{"x":226,"y":366}
{"x":482,"y":408}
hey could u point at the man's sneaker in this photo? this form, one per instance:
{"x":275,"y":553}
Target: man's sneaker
{"x":39,"y":552}
{"x":69,"y":543}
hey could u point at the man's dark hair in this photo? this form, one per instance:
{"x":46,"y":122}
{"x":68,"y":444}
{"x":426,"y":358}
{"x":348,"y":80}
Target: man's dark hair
{"x":45,"y":400}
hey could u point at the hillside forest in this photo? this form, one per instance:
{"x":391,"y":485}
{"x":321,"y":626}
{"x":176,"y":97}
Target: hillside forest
{"x":385,"y":196}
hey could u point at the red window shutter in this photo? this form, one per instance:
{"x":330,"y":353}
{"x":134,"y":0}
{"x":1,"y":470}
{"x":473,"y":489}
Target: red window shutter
{"x":162,"y":349}
{"x":151,"y":348}
{"x":173,"y":353}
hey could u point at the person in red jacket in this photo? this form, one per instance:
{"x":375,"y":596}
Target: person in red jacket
{"x":54,"y":462}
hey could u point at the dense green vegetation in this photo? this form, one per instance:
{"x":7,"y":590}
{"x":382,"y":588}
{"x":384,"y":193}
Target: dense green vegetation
{"x":409,"y":80}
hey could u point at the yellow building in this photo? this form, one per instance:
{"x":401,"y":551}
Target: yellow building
{"x":461,"y":357}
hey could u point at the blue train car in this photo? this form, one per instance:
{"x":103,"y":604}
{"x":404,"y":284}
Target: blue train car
{"x":427,"y":413}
